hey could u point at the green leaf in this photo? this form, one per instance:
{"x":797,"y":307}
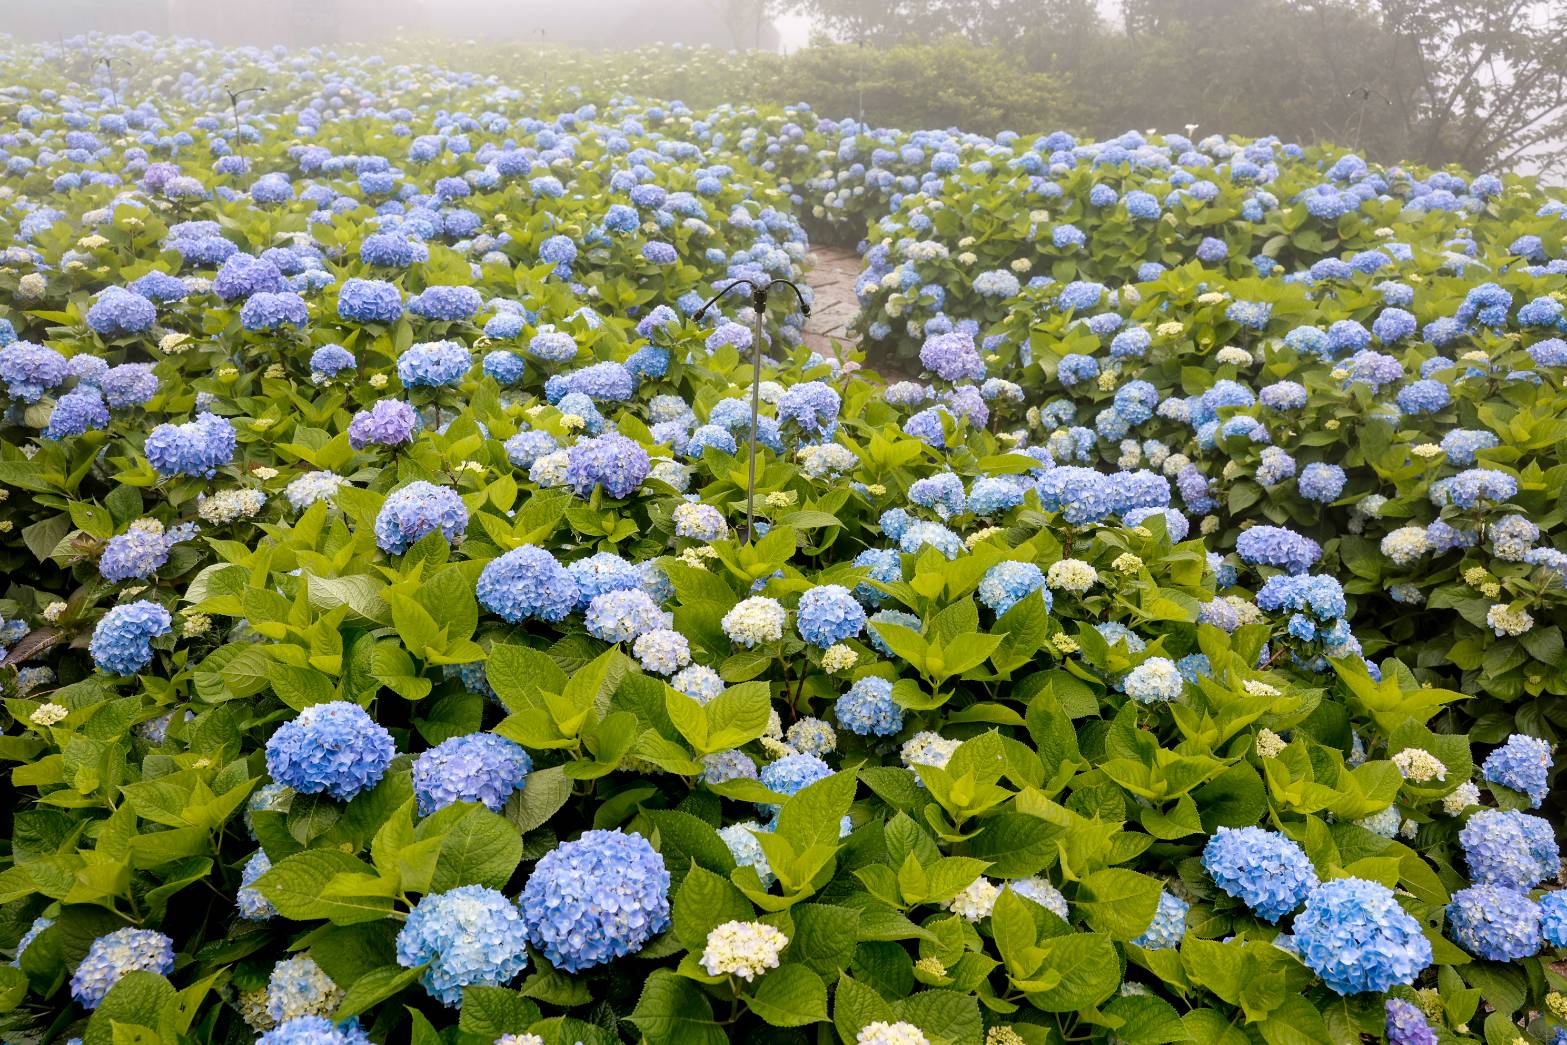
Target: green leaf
{"x":137,"y":999}
{"x":1147,"y":1020}
{"x":491,"y":1012}
{"x":1119,"y":902}
{"x":481,"y":848}
{"x":543,"y":794}
{"x":790,"y":996}
{"x":704,"y":902}
{"x":372,"y":988}
{"x":298,"y":888}
{"x":1076,"y":971}
{"x":945,"y":1016}
{"x":824,"y":937}
{"x":856,"y":1005}
{"x":674,"y":1011}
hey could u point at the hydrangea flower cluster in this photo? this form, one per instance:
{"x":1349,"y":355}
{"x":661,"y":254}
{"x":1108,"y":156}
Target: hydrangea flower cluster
{"x":336,"y":748}
{"x":478,"y":767}
{"x":594,"y":899}
{"x":467,"y":935}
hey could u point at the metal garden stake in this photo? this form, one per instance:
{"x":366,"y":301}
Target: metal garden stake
{"x":234,"y":97}
{"x":758,"y":308}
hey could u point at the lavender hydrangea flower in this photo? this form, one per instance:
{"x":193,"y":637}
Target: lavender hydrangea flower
{"x":527,"y":582}
{"x":390,"y":422}
{"x":478,"y":767}
{"x":336,"y":748}
{"x":597,"y":898}
{"x":413,"y":511}
{"x":610,"y":460}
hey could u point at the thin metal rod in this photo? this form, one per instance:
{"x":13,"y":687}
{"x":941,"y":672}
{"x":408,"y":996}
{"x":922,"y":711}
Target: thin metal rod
{"x":759,"y":310}
{"x":759,"y":306}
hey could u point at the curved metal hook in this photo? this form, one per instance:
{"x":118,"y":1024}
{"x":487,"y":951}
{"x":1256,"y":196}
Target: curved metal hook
{"x":701,"y":312}
{"x":799,"y":296}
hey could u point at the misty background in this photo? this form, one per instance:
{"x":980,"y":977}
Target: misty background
{"x":1477,"y":83}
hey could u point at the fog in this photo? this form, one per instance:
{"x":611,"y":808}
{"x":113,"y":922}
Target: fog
{"x":591,"y":23}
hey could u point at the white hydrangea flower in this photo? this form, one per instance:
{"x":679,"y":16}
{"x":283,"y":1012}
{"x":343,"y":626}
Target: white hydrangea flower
{"x":976,"y":901}
{"x":48,"y":714}
{"x":1465,"y":795}
{"x":743,"y":949}
{"x":755,"y":621}
{"x":1269,"y":743}
{"x":1419,"y":765}
{"x":1071,"y":575}
{"x":1506,"y":621}
{"x":884,"y":1033}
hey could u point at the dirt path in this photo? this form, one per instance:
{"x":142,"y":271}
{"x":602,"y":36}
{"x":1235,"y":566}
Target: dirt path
{"x":833,"y":273}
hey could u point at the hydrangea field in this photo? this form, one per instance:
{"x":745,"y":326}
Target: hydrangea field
{"x":1167,"y":648}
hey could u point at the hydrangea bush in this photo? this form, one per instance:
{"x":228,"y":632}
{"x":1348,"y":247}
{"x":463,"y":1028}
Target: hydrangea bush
{"x":1171,"y":651}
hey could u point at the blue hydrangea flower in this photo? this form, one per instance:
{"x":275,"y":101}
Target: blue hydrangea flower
{"x":112,"y":956}
{"x":433,"y":364}
{"x":1406,"y":1025}
{"x":478,"y":767}
{"x":525,"y":448}
{"x":334,"y":747}
{"x":369,"y":301}
{"x":1317,"y":594}
{"x":389,"y":422}
{"x":1168,"y":926}
{"x":1355,"y":936}
{"x":623,"y":616}
{"x":1264,"y":870}
{"x":1507,"y":847}
{"x":828,"y":614}
{"x":468,"y":935}
{"x":266,"y":312}
{"x":30,"y":370}
{"x":413,"y":511}
{"x":119,"y":312}
{"x":122,"y":640}
{"x":139,"y":552}
{"x":1553,"y":918}
{"x":868,"y":709}
{"x":252,"y":905}
{"x":609,"y":460}
{"x":328,"y":361}
{"x":527,"y":582}
{"x":446,"y":303}
{"x":1008,"y":583}
{"x":1321,"y":482}
{"x":1494,"y":922}
{"x":812,"y":405}
{"x":600,"y":897}
{"x":1277,"y":546}
{"x":315,"y":1030}
{"x":80,"y":410}
{"x":197,"y":448}
{"x":127,"y":386}
{"x":1521,"y":764}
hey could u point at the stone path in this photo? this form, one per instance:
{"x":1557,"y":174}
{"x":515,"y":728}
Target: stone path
{"x":833,"y":273}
